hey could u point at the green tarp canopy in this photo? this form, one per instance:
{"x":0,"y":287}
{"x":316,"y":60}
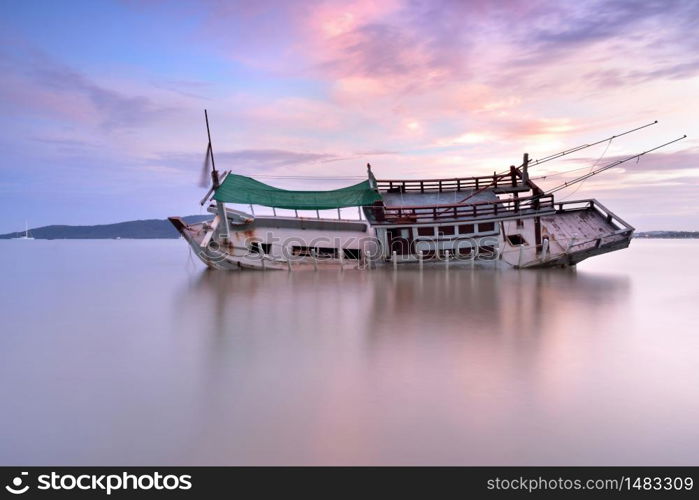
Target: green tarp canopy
{"x":241,"y":189}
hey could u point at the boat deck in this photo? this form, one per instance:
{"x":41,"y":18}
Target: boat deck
{"x":575,"y":232}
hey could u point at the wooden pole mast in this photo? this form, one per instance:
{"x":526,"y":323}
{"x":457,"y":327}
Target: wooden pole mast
{"x":214,"y":172}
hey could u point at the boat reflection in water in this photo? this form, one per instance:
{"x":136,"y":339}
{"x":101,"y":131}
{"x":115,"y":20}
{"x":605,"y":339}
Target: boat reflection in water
{"x":464,"y":302}
{"x":425,"y":367}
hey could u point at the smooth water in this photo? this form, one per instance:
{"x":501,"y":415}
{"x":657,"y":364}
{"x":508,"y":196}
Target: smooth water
{"x":128,"y":352}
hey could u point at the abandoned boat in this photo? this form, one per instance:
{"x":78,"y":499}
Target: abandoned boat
{"x":499,"y":220}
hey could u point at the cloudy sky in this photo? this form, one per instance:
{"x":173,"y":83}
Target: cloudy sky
{"x":102,"y":101}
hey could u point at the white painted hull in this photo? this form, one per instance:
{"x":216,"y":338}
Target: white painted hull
{"x":292,"y":244}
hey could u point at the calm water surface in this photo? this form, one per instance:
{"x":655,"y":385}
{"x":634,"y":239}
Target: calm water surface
{"x":128,"y":352}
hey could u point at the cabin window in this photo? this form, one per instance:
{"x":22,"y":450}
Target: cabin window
{"x":425,"y":231}
{"x":301,"y":251}
{"x":326,"y":252}
{"x":446,"y":230}
{"x":465,"y":251}
{"x":485,"y":227}
{"x":404,"y":232}
{"x":428,"y":254}
{"x":257,"y":247}
{"x":352,"y":253}
{"x":401,"y":240}
{"x":516,"y":239}
{"x":466,"y":229}
{"x":486,"y":251}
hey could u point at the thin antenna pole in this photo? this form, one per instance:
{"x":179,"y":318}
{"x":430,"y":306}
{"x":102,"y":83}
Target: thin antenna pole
{"x":607,"y":167}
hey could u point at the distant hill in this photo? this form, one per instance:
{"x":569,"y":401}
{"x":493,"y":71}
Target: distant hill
{"x":134,"y":229}
{"x":668,"y":234}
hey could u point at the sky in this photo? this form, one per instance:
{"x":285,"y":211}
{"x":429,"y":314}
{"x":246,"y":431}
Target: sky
{"x":102,"y":101}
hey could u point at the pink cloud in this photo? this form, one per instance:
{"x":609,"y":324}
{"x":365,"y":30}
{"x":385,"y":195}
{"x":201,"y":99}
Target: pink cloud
{"x":415,"y":74}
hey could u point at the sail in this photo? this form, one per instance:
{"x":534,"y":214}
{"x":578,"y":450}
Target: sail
{"x":241,"y":189}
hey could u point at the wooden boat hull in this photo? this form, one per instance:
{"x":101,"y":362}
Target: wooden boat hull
{"x":569,"y":234}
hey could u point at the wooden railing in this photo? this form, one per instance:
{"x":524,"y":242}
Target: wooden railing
{"x":499,"y":208}
{"x":457,"y":184}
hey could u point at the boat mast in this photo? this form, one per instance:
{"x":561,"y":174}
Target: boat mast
{"x":220,"y":206}
{"x":210,"y":151}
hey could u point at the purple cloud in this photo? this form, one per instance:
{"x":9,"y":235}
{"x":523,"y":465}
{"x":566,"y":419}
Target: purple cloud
{"x":39,"y":77}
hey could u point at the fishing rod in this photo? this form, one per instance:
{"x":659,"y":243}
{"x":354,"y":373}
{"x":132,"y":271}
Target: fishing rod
{"x":585,"y":146}
{"x":560,"y":154}
{"x":555,"y":156}
{"x":607,"y":167}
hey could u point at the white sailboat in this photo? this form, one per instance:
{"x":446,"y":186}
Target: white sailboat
{"x":26,"y":236}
